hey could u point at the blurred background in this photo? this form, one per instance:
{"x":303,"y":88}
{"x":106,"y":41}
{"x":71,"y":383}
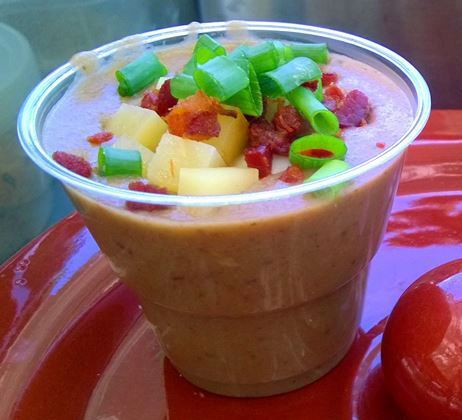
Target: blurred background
{"x":38,"y":35}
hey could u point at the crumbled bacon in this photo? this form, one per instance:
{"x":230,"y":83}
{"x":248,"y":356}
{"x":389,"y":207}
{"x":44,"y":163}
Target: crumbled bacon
{"x":261,"y":158}
{"x":73,"y":163}
{"x":292,"y":175}
{"x":328,"y":79}
{"x":195,"y":117}
{"x":100,"y":138}
{"x":160,"y":100}
{"x":312,"y":85}
{"x":287,"y":119}
{"x":144,"y":187}
{"x":380,"y":145}
{"x":262,"y":132}
{"x":333,"y":96}
{"x":150,"y":100}
{"x":354,"y":109}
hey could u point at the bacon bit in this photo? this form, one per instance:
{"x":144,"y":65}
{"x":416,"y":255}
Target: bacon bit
{"x":354,"y":110}
{"x":312,"y":85}
{"x":73,"y":163}
{"x":261,"y":158}
{"x":150,"y":100}
{"x":317,"y":153}
{"x":100,"y":138}
{"x":202,"y":126}
{"x":329,"y":79}
{"x":287,"y":119}
{"x":144,"y":187}
{"x":333,"y":96}
{"x":380,"y":145}
{"x":160,"y":100}
{"x":334,"y":92}
{"x":263,"y":132}
{"x":292,"y":175}
{"x":195,"y":117}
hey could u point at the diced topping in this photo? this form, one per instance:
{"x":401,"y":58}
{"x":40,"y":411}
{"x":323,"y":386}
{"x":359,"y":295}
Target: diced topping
{"x":100,"y":138}
{"x":354,"y":110}
{"x":263,"y":132}
{"x":73,"y":163}
{"x":328,"y":79}
{"x":259,"y":157}
{"x":380,"y":145}
{"x":113,"y":161}
{"x":312,"y":85}
{"x":160,"y":101}
{"x":148,"y":188}
{"x":195,"y":117}
{"x":287,"y":119}
{"x":292,"y":175}
{"x":333,"y":96}
{"x":150,"y":100}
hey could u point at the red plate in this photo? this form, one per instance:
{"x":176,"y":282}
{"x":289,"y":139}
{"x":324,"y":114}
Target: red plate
{"x":73,"y":342}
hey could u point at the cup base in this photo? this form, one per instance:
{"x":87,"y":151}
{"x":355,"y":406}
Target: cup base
{"x":266,"y":389}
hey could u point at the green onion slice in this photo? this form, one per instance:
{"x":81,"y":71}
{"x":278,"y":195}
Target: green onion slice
{"x":221,"y":77}
{"x":140,"y":73}
{"x":321,"y":119}
{"x":284,"y":53}
{"x":113,"y":161}
{"x":287,"y":77}
{"x":315,"y":150}
{"x":239,"y":52}
{"x":331,"y":168}
{"x":206,"y":48}
{"x":264,"y":57}
{"x":182,"y":86}
{"x":249,"y":99}
{"x":317,"y":52}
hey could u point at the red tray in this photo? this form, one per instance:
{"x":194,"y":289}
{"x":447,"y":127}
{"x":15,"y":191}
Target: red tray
{"x":74,"y":344}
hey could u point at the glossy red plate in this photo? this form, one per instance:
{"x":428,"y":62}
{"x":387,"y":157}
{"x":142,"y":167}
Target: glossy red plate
{"x":74,"y":344}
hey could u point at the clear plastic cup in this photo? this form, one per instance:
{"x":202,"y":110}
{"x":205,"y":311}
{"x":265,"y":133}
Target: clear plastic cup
{"x":250,"y":294}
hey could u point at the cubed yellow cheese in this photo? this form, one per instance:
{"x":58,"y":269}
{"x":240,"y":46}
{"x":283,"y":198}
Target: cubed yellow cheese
{"x":216,"y":181}
{"x":233,"y":136}
{"x":140,"y":124}
{"x":127,"y":143}
{"x":174,"y":153}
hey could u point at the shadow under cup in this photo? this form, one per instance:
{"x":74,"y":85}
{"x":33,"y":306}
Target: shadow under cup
{"x":251,"y":294}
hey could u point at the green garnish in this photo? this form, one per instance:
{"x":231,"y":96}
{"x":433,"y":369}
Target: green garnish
{"x":285,"y":53}
{"x":206,"y":48}
{"x":317,"y":52}
{"x":314,"y":150}
{"x":333,"y":167}
{"x":220,"y":77}
{"x":249,"y":99}
{"x":287,"y":77}
{"x":321,"y":119}
{"x":264,"y":56}
{"x":139,"y":73}
{"x":113,"y":161}
{"x":182,"y":86}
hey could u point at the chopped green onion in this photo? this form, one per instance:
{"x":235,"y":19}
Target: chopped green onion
{"x":317,"y":52}
{"x":140,"y":73}
{"x":331,"y":168}
{"x":182,"y":86}
{"x":220,"y":77}
{"x":238,"y":52}
{"x":321,"y":119}
{"x":264,"y":56}
{"x":287,"y":77}
{"x":249,"y":99}
{"x":207,"y":48}
{"x":190,"y":66}
{"x":315,"y":150}
{"x":284,"y":53}
{"x":112,"y":161}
